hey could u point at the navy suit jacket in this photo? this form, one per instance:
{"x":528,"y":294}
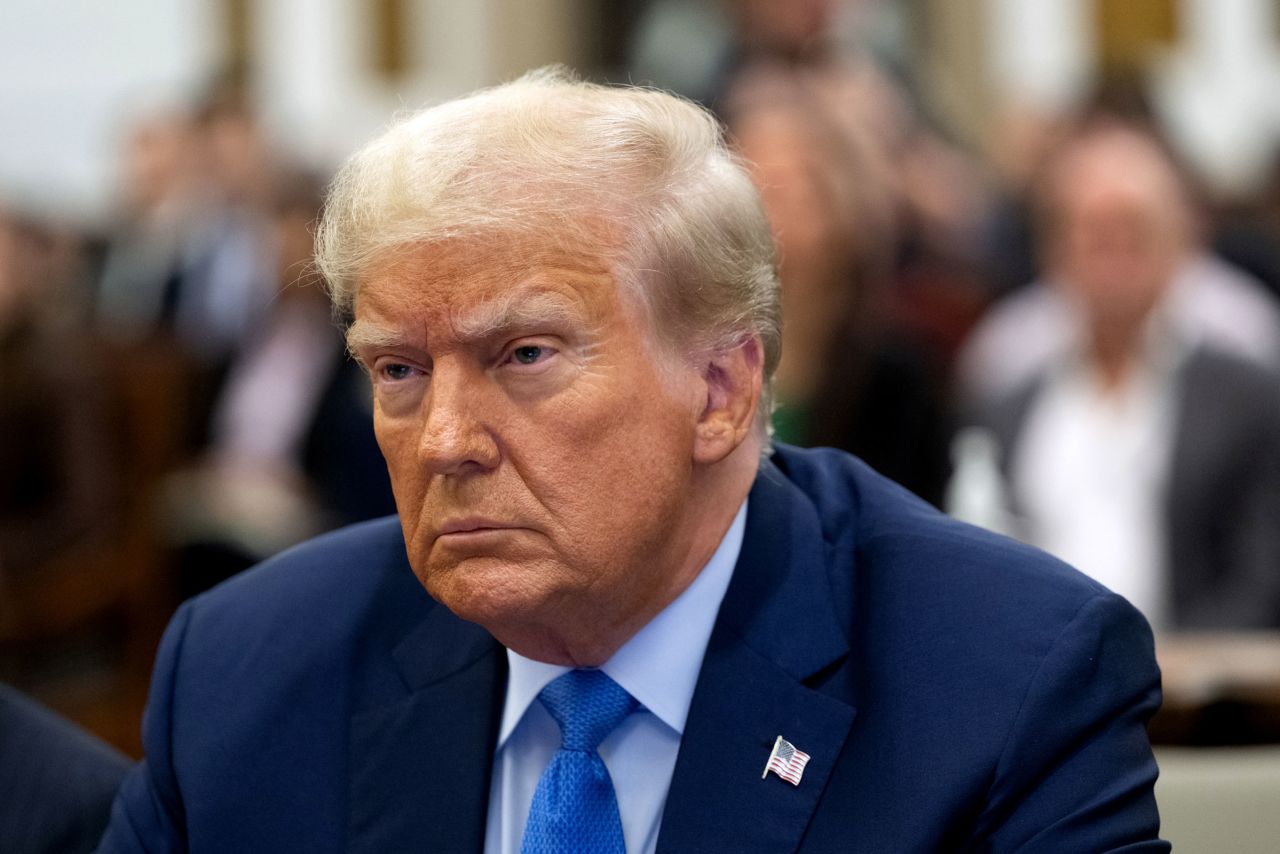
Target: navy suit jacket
{"x":57,"y":781}
{"x":956,"y":692}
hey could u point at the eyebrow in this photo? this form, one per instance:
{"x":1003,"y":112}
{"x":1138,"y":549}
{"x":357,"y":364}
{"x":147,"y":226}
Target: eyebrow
{"x":365,"y":335}
{"x":502,"y":314}
{"x":512,"y":311}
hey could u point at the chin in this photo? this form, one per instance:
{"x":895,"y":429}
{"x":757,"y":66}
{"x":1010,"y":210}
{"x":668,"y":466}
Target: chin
{"x":488,"y":591}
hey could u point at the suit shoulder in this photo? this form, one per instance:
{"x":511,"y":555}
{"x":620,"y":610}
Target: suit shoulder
{"x":337,"y":559}
{"x":331,"y":580}
{"x":1012,"y":676}
{"x":1211,"y":370}
{"x":900,"y":541}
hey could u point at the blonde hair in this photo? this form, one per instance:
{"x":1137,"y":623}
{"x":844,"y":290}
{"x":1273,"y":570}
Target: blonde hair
{"x":550,"y":157}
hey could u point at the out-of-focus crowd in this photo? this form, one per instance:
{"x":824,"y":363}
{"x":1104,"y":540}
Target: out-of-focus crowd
{"x":1062,"y":338}
{"x":1043,"y":341}
{"x":176,"y":405}
{"x":1065,"y":336}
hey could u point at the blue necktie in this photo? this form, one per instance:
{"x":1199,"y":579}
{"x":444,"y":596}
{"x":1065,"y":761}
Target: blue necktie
{"x":574,"y":808}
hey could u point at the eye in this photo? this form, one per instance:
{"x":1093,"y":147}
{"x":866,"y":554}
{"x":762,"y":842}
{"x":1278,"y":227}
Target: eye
{"x":396,"y":371}
{"x":528,"y":354}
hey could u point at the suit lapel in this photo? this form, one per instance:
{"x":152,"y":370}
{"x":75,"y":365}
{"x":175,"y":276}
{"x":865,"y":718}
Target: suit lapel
{"x":776,"y":631}
{"x":421,"y":766}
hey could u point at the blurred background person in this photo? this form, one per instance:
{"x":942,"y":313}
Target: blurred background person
{"x":800,"y":34}
{"x":190,"y":269}
{"x":1020,"y":140}
{"x":291,"y":450}
{"x":1134,"y":393}
{"x":851,"y":377}
{"x":141,"y":273}
{"x":232,"y":276}
{"x":54,"y":471}
{"x":698,"y":48}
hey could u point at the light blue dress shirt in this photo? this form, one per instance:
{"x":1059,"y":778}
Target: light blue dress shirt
{"x":659,"y":667}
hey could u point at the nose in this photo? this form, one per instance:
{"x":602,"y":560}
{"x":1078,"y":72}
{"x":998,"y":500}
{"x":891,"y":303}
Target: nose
{"x":457,"y":415}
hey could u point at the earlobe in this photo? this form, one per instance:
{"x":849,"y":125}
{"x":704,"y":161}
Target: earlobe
{"x":733,"y":379}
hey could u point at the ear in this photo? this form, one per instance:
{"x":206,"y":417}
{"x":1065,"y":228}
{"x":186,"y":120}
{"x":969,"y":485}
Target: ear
{"x":733,"y":379}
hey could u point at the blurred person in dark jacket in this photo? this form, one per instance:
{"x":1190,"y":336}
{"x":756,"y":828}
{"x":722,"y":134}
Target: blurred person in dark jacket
{"x":291,"y":451}
{"x":189,"y":268}
{"x":1134,"y":397}
{"x":141,"y":279}
{"x":187,"y":257}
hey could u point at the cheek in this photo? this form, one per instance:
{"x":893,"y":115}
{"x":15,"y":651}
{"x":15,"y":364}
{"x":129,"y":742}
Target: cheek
{"x":398,"y":442}
{"x":619,"y":460}
{"x":393,"y":438}
{"x":624,"y":416}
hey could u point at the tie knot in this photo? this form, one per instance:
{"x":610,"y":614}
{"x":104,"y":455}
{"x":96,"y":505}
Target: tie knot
{"x":588,"y":705}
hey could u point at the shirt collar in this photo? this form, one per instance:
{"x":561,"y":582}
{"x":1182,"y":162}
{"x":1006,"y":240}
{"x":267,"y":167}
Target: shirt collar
{"x":659,"y":665}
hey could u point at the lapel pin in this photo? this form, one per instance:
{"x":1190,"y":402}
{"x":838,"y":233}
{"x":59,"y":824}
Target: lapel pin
{"x":785,"y":761}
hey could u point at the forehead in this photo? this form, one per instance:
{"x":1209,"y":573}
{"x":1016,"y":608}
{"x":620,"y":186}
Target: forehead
{"x":1120,"y":173}
{"x":451,"y":282}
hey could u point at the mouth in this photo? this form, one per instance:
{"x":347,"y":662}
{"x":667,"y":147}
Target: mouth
{"x":474,"y":525}
{"x":477,"y":535}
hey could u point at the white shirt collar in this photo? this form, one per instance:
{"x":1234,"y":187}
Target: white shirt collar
{"x":659,"y":665}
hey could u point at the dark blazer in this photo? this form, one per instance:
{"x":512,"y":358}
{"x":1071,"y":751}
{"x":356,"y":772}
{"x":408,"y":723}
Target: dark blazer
{"x":956,"y":691}
{"x":1222,"y":497}
{"x":56,"y":781}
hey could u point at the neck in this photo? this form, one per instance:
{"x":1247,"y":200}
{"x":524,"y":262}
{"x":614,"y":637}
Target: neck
{"x":1114,"y":353}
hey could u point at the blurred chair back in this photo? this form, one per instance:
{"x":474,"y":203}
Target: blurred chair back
{"x":1220,"y":799}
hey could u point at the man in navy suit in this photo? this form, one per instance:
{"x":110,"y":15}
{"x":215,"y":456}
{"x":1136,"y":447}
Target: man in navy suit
{"x":566,"y":299}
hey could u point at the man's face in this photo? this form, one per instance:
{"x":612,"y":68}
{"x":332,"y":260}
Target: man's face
{"x":1117,"y":254}
{"x":1122,"y":230}
{"x":539,"y":444}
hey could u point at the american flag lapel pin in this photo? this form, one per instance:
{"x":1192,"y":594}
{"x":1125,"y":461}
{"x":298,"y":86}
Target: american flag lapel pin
{"x":786,"y":761}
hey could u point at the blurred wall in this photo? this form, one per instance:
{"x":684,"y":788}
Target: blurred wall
{"x":75,"y":73}
{"x":325,"y":89}
{"x":1213,"y":84}
{"x":70,"y":72}
{"x":1040,"y":50}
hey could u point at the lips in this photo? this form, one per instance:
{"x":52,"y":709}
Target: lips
{"x":473,"y":525}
